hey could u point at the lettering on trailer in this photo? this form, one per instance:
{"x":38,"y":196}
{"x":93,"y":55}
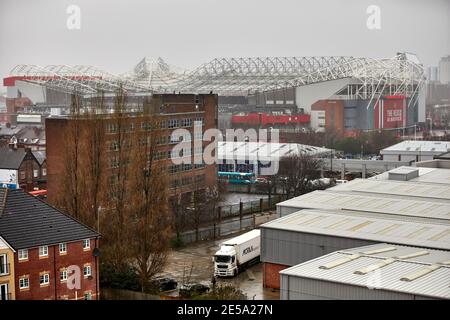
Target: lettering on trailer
{"x":247,"y":250}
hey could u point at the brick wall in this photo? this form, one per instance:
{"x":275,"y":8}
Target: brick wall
{"x":271,"y":274}
{"x":334,"y":113}
{"x":55,"y":261}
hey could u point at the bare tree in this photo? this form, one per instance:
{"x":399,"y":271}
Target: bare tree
{"x":179,"y":203}
{"x":117,"y":223}
{"x":151,"y":223}
{"x":70,"y":197}
{"x":93,"y":161}
{"x":297,"y":172}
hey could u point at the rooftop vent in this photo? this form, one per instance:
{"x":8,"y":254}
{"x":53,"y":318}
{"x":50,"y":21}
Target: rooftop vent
{"x":403,"y":174}
{"x":425,"y":271}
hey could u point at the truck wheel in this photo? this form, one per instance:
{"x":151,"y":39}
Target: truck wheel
{"x":235,"y":272}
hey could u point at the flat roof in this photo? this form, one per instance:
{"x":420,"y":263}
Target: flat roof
{"x":390,"y":228}
{"x":265,"y":151}
{"x":373,"y":203}
{"x":415,"y":146}
{"x":426,"y":175}
{"x":408,"y":270}
{"x":396,"y":188}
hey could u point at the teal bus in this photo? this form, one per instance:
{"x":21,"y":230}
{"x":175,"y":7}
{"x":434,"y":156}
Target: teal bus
{"x":236,"y":177}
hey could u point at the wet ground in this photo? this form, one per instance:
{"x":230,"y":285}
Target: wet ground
{"x":193,"y":263}
{"x":234,"y":198}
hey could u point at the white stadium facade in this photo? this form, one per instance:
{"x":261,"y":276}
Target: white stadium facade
{"x":355,"y":92}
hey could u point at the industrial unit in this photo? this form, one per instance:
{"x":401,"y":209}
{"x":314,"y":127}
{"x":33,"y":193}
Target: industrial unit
{"x":405,"y":206}
{"x":413,"y":150}
{"x":308,"y":234}
{"x":394,"y":204}
{"x":434,"y":176}
{"x":381,"y":271}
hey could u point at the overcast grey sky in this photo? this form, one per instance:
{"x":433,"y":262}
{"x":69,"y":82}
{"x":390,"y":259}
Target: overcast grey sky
{"x":116,"y":34}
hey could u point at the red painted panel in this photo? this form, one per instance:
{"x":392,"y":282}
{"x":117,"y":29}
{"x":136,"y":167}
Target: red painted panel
{"x":393,"y":113}
{"x":267,"y":119}
{"x":390,"y":112}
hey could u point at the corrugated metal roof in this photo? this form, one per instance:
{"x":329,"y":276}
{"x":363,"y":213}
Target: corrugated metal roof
{"x":395,"y":229}
{"x":396,"y":188}
{"x":264,"y":151}
{"x":358,"y":202}
{"x":415,"y":146}
{"x":432,"y":256}
{"x":426,"y":175}
{"x":435,"y":283}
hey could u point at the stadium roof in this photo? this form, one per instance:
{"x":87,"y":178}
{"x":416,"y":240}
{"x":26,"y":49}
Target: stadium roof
{"x":399,"y":75}
{"x":412,"y":231}
{"x":383,"y":266}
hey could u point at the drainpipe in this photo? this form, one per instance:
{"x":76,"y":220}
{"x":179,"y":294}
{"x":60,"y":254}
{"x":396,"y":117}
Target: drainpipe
{"x":54,"y":271}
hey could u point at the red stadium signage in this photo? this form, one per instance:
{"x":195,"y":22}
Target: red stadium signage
{"x":390,"y":112}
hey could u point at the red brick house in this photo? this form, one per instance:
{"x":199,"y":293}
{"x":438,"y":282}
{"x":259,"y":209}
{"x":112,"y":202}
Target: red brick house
{"x":20,"y":167}
{"x":52,"y":251}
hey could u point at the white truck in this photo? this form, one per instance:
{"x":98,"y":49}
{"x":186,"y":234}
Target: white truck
{"x":237,"y":253}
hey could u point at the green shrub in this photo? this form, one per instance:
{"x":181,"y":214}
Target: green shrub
{"x":126,"y":278}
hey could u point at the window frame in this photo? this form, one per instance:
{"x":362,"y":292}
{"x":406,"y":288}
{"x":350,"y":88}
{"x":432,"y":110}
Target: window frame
{"x":88,"y":242}
{"x":41,"y":249}
{"x":20,"y":254}
{"x":21,"y":281}
{"x":44,"y":276}
{"x":65,"y":248}
{"x":61,"y":273}
{"x":85,"y":268}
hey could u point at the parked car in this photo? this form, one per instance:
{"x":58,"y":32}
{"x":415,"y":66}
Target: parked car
{"x":192,"y":289}
{"x":261,"y":180}
{"x":165,"y":284}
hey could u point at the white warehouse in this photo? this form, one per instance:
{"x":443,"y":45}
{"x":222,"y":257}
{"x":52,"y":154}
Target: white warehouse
{"x":412,"y":150}
{"x":381,"y":271}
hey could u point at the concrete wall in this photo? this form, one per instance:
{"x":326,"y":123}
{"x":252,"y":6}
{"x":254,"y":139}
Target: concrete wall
{"x":407,"y":157}
{"x":440,"y":164}
{"x":305,"y":96}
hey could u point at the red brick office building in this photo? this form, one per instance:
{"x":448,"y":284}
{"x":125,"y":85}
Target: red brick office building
{"x":171,"y":111}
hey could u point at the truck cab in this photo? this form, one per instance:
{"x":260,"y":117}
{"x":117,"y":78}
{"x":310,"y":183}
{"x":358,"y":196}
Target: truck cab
{"x":225,"y":262}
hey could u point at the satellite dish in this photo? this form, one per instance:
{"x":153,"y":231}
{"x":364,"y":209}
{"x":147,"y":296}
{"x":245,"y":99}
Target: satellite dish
{"x":96,"y":252}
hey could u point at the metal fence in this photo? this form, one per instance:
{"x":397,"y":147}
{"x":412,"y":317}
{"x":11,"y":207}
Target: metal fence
{"x":230,"y":219}
{"x":250,"y":207}
{"x":223,"y":228}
